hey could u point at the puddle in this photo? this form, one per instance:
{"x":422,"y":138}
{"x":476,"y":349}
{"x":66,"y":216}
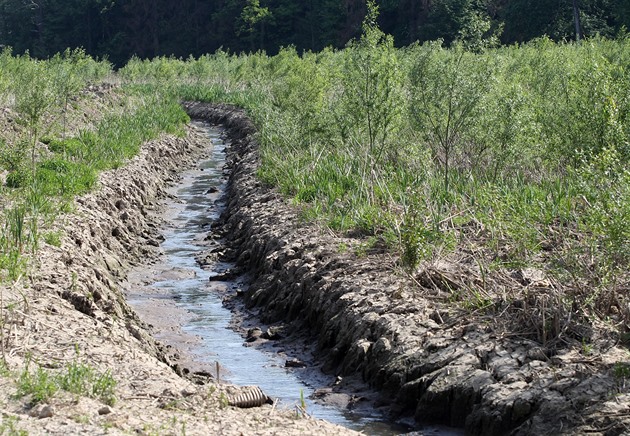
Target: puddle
{"x":201,"y":325}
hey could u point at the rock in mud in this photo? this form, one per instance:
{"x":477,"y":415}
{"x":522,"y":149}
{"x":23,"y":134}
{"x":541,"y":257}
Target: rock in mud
{"x":295,"y":363}
{"x":42,"y":411}
{"x":272,"y":333}
{"x":254,"y":334}
{"x":105,"y":410}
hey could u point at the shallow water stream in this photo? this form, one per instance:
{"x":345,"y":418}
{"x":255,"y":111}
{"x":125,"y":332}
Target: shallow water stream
{"x":178,"y":280}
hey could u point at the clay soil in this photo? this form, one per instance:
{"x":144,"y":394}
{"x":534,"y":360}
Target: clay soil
{"x":429,"y":356}
{"x":362,"y":319}
{"x":71,"y":310}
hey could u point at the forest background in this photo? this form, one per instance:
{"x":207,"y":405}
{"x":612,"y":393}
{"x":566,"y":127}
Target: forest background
{"x":119,"y":29}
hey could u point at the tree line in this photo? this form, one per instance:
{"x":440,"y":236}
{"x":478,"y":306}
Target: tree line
{"x":120,"y":29}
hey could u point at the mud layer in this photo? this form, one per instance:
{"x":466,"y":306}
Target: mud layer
{"x":71,"y":310}
{"x":365,"y":318}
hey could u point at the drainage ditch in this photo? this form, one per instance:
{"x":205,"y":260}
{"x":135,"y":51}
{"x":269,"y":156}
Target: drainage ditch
{"x":183,"y":301}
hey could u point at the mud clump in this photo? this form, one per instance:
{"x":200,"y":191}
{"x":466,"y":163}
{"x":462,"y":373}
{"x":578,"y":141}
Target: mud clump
{"x":431,"y":361}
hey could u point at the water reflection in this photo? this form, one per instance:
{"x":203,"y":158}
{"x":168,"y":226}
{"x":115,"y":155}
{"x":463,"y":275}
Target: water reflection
{"x":195,"y":204}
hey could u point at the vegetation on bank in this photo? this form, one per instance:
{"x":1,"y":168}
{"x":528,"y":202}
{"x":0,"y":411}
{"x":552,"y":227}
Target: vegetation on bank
{"x":510,"y":162}
{"x":498,"y":177}
{"x":49,"y":153}
{"x":61,"y":123}
{"x":79,"y":379}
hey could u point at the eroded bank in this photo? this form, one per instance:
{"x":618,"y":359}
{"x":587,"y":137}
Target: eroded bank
{"x":72,"y":311}
{"x":368,"y":321}
{"x":181,"y":295}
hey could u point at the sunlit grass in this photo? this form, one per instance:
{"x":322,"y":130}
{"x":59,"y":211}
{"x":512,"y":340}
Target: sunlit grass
{"x":44,"y":172}
{"x":515,"y":156}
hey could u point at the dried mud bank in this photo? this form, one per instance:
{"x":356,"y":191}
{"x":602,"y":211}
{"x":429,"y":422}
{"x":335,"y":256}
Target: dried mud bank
{"x":73,"y":310}
{"x":368,"y":320}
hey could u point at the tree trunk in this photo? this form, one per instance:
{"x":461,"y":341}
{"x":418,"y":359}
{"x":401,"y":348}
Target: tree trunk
{"x":311,"y":23}
{"x":89,"y":28}
{"x":38,"y":19}
{"x":576,"y":19}
{"x":155,"y":27}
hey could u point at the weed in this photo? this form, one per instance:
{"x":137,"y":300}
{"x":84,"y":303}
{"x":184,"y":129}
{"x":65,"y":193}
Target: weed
{"x":12,"y":156}
{"x":300,"y":409}
{"x":302,"y":401}
{"x":4,"y":369}
{"x":66,"y":206}
{"x":103,"y":387}
{"x":621,"y":370}
{"x":81,"y":419}
{"x":342,"y":247}
{"x":476,"y":300}
{"x":53,"y":238}
{"x":365,"y":247}
{"x":587,"y":349}
{"x":171,"y":405}
{"x":78,"y":378}
{"x":8,"y":426}
{"x":15,"y":224}
{"x":223,"y":400}
{"x":13,"y":263}
{"x":40,"y":385}
{"x":74,"y":282}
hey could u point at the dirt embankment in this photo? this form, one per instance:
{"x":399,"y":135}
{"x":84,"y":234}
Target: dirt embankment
{"x":438,"y":364}
{"x":72,"y":310}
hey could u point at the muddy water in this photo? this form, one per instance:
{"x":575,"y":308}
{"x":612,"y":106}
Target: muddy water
{"x":184,"y":303}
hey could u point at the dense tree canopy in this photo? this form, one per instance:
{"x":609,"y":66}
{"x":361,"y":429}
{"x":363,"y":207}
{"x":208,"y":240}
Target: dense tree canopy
{"x":119,"y":29}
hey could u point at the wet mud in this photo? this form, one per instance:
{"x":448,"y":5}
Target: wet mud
{"x":183,"y":296}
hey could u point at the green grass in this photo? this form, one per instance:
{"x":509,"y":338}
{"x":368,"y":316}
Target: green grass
{"x":53,"y":238}
{"x":9,"y":426}
{"x":77,"y":378}
{"x":43,"y":181}
{"x":513,"y":154}
{"x":39,"y":384}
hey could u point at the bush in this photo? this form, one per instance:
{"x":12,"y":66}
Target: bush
{"x":58,"y":176}
{"x":67,"y":147}
{"x":19,"y":178}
